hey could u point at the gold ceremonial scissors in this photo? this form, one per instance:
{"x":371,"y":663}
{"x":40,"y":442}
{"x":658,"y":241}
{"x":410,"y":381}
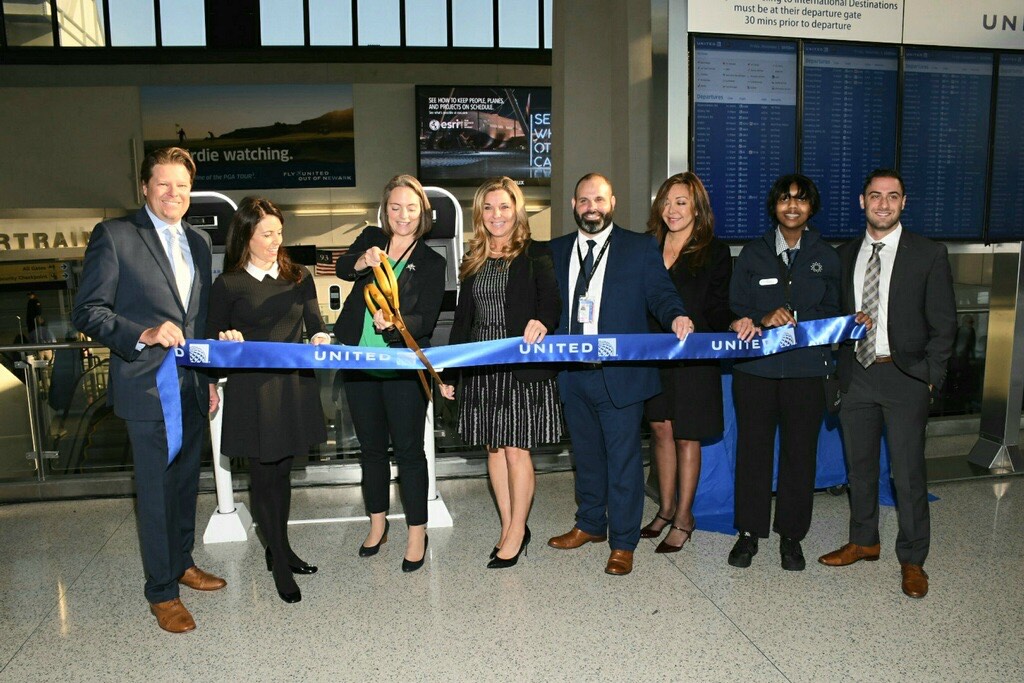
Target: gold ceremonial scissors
{"x":382,"y":295}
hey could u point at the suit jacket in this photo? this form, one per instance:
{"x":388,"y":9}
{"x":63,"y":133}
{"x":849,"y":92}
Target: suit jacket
{"x":705,"y":292}
{"x":921,"y":313}
{"x":127,"y":286}
{"x":420,"y":291}
{"x":635,"y":283}
{"x":531,"y":294}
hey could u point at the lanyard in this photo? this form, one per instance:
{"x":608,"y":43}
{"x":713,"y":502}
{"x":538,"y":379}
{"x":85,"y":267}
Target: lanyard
{"x":404,"y":253}
{"x":597,"y":262}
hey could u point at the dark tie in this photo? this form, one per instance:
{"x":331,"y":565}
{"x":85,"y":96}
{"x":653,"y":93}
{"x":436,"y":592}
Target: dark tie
{"x":790,"y":255}
{"x":869,"y":304}
{"x":582,"y":280}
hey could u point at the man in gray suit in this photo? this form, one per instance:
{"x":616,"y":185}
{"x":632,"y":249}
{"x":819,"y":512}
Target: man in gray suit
{"x":903,"y":281}
{"x":143,"y":290}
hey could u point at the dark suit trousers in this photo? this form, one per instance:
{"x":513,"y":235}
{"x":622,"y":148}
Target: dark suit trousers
{"x":166,"y":494}
{"x":609,"y":468}
{"x":883,"y":395}
{"x":395,"y":408}
{"x":795,"y":406}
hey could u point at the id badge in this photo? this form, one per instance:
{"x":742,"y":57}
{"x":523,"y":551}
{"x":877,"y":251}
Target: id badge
{"x":585,"y":312}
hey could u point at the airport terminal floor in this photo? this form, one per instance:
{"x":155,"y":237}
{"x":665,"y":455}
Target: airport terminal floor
{"x":71,"y":604}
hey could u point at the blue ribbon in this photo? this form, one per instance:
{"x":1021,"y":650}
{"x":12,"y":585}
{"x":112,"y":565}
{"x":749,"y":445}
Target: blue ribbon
{"x":599,"y":348}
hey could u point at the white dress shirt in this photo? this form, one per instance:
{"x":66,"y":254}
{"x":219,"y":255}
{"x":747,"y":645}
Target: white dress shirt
{"x":597,"y":279}
{"x":886,"y":257}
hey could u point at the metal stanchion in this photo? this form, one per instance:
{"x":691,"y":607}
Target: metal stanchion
{"x":231,"y":521}
{"x":38,"y":454}
{"x":437,"y":511}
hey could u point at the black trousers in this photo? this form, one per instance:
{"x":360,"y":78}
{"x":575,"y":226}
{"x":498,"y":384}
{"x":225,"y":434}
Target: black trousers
{"x":395,"y":410}
{"x":883,"y":395}
{"x":795,"y":406}
{"x":166,"y":495}
{"x":271,"y":491}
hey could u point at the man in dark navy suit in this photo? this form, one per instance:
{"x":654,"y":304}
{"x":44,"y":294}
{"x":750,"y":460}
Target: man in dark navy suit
{"x":609,"y":278}
{"x":143,"y":290}
{"x":903,"y":281}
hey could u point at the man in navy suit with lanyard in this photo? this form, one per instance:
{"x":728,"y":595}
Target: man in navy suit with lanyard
{"x":903,"y":281}
{"x":144,"y":290}
{"x":609,"y":279}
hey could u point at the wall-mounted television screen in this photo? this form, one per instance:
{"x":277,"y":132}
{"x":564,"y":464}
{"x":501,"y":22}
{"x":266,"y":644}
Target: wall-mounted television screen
{"x":470,"y":133}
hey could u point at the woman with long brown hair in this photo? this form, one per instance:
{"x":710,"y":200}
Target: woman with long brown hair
{"x":689,"y":408}
{"x":270,"y":416}
{"x":508,"y":290}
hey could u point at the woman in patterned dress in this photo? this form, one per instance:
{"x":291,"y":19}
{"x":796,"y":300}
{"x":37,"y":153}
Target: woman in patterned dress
{"x":508,"y":290}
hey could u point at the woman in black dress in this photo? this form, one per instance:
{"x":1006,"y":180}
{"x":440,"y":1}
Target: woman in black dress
{"x":689,"y":408}
{"x":270,"y":416}
{"x":508,"y":290}
{"x":391,"y":405}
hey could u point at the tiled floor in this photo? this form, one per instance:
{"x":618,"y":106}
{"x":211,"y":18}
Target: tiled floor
{"x":71,"y":605}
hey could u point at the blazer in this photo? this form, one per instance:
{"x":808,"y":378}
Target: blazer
{"x":705,"y":292}
{"x":420,"y":291}
{"x":127,"y":286}
{"x":922,"y":309}
{"x":757,"y":289}
{"x":635,"y":283}
{"x":531,"y":294}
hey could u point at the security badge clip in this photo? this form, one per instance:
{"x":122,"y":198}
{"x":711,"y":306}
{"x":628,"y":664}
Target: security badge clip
{"x":585,"y":311}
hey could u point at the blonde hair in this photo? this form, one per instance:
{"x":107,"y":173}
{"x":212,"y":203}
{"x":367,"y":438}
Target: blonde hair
{"x":479,"y":245}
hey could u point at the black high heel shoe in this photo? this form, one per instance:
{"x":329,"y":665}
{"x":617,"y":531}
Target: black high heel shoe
{"x":502,"y":563}
{"x":301,"y":568}
{"x":290,"y":597}
{"x":371,"y":550}
{"x":411,"y":565}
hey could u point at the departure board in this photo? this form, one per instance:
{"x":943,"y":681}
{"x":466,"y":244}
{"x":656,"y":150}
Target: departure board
{"x":1006,"y":215}
{"x":944,"y":149}
{"x":849,"y":127}
{"x":744,"y":124}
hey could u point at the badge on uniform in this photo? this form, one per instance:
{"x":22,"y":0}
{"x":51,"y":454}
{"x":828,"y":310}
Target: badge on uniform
{"x":585,"y":312}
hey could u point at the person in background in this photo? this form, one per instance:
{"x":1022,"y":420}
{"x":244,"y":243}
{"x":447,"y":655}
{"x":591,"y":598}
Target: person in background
{"x":270,"y":416}
{"x":789,"y":275}
{"x":508,"y":290}
{"x":689,"y":407}
{"x":392,"y":405}
{"x":143,"y":290}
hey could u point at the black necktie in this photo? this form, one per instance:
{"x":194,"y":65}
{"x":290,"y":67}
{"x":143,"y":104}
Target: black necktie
{"x":790,"y":255}
{"x":582,"y":280}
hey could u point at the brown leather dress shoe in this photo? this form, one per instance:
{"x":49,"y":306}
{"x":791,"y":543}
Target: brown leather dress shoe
{"x":172,"y":616}
{"x":620,"y":563}
{"x":850,"y":553}
{"x":196,"y":579}
{"x":915,"y":580}
{"x":574,"y":539}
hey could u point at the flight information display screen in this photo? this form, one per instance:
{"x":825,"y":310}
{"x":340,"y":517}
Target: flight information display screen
{"x":944,"y":148}
{"x":1006,"y":215}
{"x":849,"y":127}
{"x":744,"y":124}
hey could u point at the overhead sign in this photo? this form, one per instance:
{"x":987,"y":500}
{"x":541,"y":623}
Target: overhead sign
{"x":980,"y":23}
{"x":23,"y":273}
{"x":866,"y":20}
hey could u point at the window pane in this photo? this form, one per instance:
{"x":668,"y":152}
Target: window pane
{"x":472,"y":23}
{"x":547,"y":23}
{"x":28,"y":23}
{"x":330,"y":22}
{"x":426,"y":23}
{"x":182,"y":22}
{"x":80,"y":23}
{"x":132,"y":23}
{"x":518,"y":23}
{"x":378,"y":23}
{"x":281,"y":22}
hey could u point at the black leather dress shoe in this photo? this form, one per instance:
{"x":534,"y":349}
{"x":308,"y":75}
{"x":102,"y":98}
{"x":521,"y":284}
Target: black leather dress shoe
{"x":792,"y":555}
{"x":744,"y":550}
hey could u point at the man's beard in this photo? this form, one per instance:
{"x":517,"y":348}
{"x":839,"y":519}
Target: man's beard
{"x":593,"y":227}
